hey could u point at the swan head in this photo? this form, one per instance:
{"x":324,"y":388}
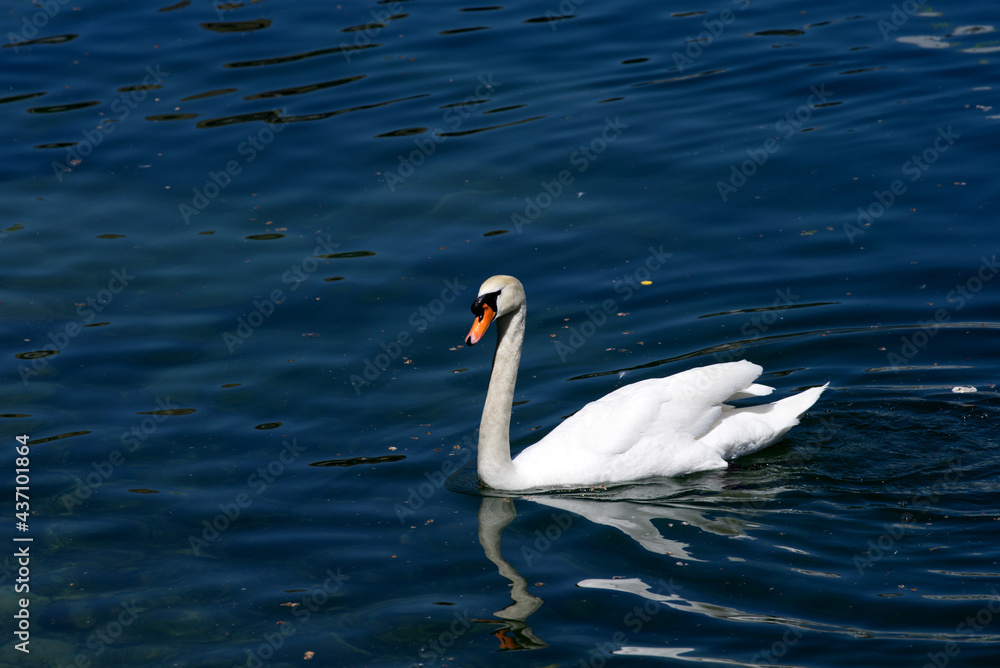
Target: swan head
{"x":498,"y":296}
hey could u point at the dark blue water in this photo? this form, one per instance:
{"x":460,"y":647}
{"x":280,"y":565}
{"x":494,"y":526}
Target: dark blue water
{"x":238,"y":248}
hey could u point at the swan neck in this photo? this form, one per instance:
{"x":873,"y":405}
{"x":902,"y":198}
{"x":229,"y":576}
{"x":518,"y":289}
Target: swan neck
{"x":495,"y":467}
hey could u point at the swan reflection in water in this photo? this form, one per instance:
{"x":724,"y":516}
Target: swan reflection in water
{"x":635,"y":518}
{"x":494,"y":515}
{"x":632,"y":514}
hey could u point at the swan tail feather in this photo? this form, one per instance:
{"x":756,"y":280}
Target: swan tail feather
{"x":742,"y":431}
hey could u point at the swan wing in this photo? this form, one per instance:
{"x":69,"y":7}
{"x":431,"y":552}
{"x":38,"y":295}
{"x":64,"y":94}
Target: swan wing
{"x":659,"y":412}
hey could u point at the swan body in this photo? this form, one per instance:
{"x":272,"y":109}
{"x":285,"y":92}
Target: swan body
{"x":652,"y":428}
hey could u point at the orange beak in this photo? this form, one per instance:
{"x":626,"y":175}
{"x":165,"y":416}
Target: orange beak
{"x":480,"y":325}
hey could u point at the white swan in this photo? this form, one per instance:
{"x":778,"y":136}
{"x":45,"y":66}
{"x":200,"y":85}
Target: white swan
{"x":658,"y":427}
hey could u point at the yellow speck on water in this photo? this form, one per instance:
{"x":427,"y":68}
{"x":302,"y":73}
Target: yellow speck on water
{"x":645,"y":282}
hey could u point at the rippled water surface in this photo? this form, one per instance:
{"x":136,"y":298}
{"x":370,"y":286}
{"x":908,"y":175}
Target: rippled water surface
{"x":237,"y":249}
